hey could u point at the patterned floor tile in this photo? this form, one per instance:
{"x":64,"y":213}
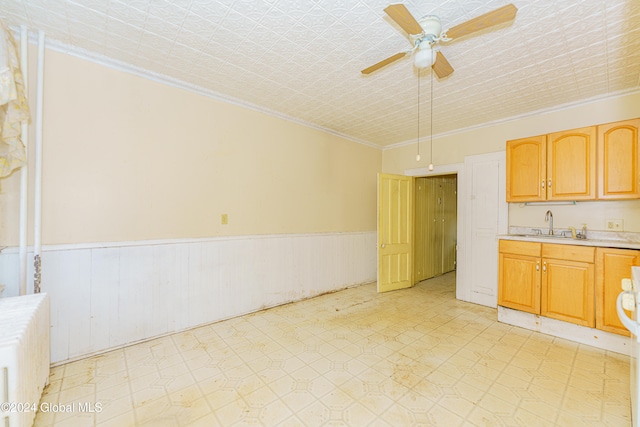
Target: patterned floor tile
{"x":355,"y":357}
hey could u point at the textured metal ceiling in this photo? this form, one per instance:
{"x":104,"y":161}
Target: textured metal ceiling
{"x":302,"y":58}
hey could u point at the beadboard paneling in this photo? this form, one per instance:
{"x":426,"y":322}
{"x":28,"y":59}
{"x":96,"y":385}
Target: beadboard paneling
{"x":107,"y":296}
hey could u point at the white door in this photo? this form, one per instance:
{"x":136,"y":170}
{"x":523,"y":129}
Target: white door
{"x":486,"y":216}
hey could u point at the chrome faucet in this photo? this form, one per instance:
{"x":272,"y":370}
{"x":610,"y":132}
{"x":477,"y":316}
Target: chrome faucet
{"x":548,"y":217}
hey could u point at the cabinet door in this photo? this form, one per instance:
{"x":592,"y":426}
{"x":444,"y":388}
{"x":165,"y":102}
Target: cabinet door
{"x":571,"y":164}
{"x":526,"y":169}
{"x":612,"y":265}
{"x":519,"y":282}
{"x":568,"y":291}
{"x":618,"y":159}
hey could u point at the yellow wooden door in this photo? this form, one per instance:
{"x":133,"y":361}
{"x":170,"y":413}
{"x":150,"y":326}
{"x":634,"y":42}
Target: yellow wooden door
{"x":526,"y":169}
{"x":619,"y":160}
{"x":519,"y":276}
{"x":450,"y":232}
{"x":568,"y":291}
{"x":435,"y":226}
{"x":438,"y":226}
{"x":423,"y":229}
{"x":395,"y":218}
{"x":571,"y":164}
{"x":612,"y":265}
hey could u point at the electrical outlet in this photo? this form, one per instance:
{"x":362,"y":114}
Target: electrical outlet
{"x":224,"y":219}
{"x":614,"y":225}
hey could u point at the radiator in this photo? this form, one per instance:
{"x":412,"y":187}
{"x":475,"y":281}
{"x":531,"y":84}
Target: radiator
{"x":24,"y":357}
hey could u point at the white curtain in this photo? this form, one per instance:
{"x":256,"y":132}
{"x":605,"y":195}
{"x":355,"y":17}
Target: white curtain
{"x":13,"y":105}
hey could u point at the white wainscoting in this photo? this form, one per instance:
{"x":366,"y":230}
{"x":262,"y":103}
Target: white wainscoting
{"x":104,"y":296}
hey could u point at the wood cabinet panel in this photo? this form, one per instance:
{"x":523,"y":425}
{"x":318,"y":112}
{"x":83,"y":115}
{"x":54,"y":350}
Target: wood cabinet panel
{"x":519,"y":282}
{"x":619,"y":160}
{"x":568,"y":291}
{"x":526,"y":169}
{"x":612,"y":265}
{"x":520,"y":248}
{"x":571,"y":164}
{"x":569,"y":252}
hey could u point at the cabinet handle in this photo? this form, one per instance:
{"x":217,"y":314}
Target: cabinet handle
{"x":382,"y":246}
{"x":537,"y":266}
{"x":549,"y":183}
{"x":543,"y":183}
{"x":544,"y":267}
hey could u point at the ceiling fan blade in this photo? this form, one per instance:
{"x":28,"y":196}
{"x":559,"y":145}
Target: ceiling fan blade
{"x":442,"y":67}
{"x":381,"y":64}
{"x":401,"y":15}
{"x":489,"y":19}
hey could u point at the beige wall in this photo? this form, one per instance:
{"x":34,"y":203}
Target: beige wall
{"x":126,"y":158}
{"x":453,"y":148}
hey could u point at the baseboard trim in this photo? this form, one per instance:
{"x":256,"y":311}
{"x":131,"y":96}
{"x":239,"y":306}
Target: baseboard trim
{"x":569,"y":331}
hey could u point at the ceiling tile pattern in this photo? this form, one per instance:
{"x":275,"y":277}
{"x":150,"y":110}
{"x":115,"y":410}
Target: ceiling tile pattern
{"x":302,"y":58}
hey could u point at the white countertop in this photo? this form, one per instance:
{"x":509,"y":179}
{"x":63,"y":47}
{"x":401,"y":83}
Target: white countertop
{"x":594,"y":238}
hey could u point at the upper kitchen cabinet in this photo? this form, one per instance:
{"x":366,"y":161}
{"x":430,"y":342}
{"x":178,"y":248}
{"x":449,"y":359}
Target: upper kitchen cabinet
{"x":527,"y":169}
{"x":618,"y":159}
{"x":563,"y":166}
{"x":571,"y":164}
{"x":558,"y":166}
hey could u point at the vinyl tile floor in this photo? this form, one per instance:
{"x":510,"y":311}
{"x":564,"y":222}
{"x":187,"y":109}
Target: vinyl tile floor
{"x":351,"y":358}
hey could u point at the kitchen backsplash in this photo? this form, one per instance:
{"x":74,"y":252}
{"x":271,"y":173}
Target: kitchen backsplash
{"x":594,"y":214}
{"x":624,"y":236}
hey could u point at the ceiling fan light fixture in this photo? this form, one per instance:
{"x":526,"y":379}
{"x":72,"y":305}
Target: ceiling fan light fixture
{"x":428,"y":31}
{"x":431,"y":26}
{"x":425,"y":56}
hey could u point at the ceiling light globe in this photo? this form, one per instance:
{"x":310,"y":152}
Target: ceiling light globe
{"x":424,"y":57}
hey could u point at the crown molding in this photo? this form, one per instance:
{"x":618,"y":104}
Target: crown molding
{"x":554,"y":109}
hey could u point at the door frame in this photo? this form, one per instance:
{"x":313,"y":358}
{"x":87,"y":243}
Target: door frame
{"x":452,"y":169}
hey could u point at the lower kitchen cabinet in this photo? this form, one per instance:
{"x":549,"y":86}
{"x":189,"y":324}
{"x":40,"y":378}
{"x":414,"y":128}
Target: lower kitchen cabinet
{"x":577,"y":284}
{"x":519,"y":275}
{"x":567,"y":291}
{"x":612,"y":265}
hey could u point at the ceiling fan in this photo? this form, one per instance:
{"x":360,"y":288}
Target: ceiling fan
{"x":425,"y":33}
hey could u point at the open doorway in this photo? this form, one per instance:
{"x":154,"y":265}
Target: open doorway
{"x":435,"y":226}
